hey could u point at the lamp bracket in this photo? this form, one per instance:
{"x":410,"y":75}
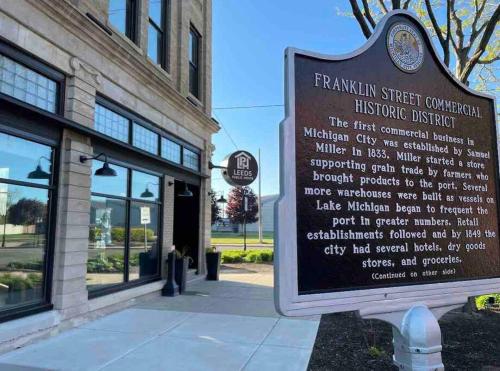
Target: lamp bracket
{"x":84,"y":159}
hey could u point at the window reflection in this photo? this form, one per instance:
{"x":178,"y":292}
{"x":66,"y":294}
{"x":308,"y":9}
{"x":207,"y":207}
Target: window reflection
{"x":23,"y":228}
{"x":110,"y":123}
{"x":20,"y":158}
{"x":105,"y":264}
{"x":170,"y":150}
{"x":27,"y":85}
{"x":143,"y":259}
{"x":121,"y":226}
{"x":191,"y":159}
{"x":154,"y":44}
{"x":117,"y":13}
{"x":145,"y":139}
{"x":145,"y":186}
{"x":115,"y":185}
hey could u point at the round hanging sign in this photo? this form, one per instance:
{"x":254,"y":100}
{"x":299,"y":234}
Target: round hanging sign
{"x":240,"y":168}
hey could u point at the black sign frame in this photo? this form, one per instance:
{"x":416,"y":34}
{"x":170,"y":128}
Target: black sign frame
{"x":287,"y":298}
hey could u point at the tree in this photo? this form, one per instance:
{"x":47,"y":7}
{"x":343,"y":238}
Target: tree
{"x":26,"y":212}
{"x":465,"y":27}
{"x":235,"y":210}
{"x":215,"y":207}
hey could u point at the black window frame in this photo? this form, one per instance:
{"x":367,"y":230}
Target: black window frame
{"x":52,"y":188}
{"x":194,"y":66}
{"x":34,"y":63}
{"x":131,"y":20}
{"x":134,"y":118}
{"x":24,"y":124}
{"x":127,"y":284}
{"x":164,"y":30}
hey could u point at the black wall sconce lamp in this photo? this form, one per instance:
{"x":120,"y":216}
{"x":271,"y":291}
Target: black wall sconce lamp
{"x":39,"y":173}
{"x":186,"y":192}
{"x":105,"y":170}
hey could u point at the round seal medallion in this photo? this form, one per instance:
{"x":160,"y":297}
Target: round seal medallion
{"x":405,"y":47}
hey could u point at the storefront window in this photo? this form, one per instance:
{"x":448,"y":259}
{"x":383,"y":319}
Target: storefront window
{"x":143,"y":240}
{"x":145,"y":186}
{"x":124,"y":228}
{"x":24,"y":222}
{"x":113,"y":186}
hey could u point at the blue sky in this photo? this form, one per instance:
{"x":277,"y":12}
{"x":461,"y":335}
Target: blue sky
{"x":249,"y":39}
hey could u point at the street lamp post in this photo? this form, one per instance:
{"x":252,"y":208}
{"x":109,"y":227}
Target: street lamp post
{"x":245,"y":209}
{"x":222,"y":201}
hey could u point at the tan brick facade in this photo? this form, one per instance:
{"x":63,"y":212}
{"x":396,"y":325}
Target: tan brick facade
{"x":60,"y":34}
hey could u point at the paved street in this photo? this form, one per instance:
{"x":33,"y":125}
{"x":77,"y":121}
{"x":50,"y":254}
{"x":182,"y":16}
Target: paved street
{"x":226,"y":325}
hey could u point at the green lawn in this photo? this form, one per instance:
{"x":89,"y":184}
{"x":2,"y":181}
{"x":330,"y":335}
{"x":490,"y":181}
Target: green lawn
{"x":237,"y":238}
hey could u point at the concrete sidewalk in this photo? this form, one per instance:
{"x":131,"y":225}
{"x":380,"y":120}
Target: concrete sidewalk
{"x":226,"y":325}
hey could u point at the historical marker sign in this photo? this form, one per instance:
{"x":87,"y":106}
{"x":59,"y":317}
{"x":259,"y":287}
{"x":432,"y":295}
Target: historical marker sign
{"x":240,"y":168}
{"x":389,"y":179}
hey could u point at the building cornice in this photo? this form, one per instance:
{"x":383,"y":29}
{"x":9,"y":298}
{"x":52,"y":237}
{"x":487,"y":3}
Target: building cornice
{"x":75,"y":22}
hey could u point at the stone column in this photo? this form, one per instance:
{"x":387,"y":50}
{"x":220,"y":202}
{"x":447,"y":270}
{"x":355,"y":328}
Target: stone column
{"x":205,"y":231}
{"x":70,"y":295}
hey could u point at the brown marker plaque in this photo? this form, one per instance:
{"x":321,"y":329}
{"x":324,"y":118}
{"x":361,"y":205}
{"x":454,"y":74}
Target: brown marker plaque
{"x":396,"y":169}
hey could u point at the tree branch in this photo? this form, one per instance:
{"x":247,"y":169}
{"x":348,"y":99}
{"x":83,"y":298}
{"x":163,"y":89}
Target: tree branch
{"x":382,"y":5}
{"x":448,"y":34}
{"x":485,"y":39}
{"x":479,"y":13}
{"x":474,"y":31}
{"x":360,"y":18}
{"x":489,"y":61}
{"x":406,"y":4}
{"x":367,"y":13}
{"x":458,"y":23}
{"x":435,"y":24}
{"x":396,"y":4}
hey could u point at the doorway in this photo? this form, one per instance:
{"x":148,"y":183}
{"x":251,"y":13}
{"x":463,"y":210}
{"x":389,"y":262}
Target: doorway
{"x":187,"y":221}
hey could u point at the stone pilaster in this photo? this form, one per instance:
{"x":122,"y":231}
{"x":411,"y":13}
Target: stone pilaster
{"x":80,"y":93}
{"x":205,"y":208}
{"x":70,"y":266}
{"x":70,"y":295}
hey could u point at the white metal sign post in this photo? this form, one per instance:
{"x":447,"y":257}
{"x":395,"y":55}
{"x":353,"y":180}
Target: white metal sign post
{"x":389,"y":189}
{"x":145,"y":220}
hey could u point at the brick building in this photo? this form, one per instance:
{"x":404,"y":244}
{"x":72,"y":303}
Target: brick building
{"x":128,"y":82}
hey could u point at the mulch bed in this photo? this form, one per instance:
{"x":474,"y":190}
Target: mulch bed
{"x":470,"y":342}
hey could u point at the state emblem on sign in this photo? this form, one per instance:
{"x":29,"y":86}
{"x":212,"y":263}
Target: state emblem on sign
{"x":405,"y":47}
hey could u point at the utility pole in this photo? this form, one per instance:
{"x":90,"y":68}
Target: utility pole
{"x":260,"y":201}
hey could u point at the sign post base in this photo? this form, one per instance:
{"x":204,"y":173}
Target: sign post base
{"x":416,"y":335}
